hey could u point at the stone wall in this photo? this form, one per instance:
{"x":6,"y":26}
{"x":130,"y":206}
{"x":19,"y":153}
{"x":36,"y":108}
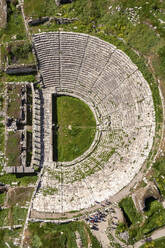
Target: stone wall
{"x":3,"y":13}
{"x":58,"y":20}
{"x":23,"y":134}
{"x":38,"y":21}
{"x":140,"y":196}
{"x":21,"y":69}
{"x":19,"y":170}
{"x":58,"y":2}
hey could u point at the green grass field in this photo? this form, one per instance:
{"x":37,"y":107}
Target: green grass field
{"x":74,"y":128}
{"x":23,"y":180}
{"x":61,"y":236}
{"x":39,"y":8}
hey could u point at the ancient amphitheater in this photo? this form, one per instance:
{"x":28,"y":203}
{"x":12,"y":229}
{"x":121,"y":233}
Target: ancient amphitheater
{"x":121,"y":100}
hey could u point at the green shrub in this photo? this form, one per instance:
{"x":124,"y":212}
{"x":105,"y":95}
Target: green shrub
{"x":159,"y":174}
{"x":128,"y":206}
{"x":20,"y":53}
{"x":161,"y":53}
{"x":15,"y":26}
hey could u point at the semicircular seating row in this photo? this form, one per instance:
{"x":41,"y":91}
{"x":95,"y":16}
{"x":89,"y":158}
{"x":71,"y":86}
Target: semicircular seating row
{"x":104,"y":74}
{"x":98,"y":70}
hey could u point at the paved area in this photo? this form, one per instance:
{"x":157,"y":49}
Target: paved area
{"x":101,"y":234}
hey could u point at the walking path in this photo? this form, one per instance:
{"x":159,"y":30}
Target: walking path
{"x":21,"y":2}
{"x":30,"y":206}
{"x":155,"y":235}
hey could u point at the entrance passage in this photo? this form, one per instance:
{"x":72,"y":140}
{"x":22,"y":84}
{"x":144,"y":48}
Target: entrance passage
{"x":73,"y":128}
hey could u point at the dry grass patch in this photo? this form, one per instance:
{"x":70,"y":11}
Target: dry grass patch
{"x":13,"y":149}
{"x":18,"y":195}
{"x":14,"y":101}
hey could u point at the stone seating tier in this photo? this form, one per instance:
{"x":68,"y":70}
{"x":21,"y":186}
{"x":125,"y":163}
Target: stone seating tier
{"x":121,"y":100}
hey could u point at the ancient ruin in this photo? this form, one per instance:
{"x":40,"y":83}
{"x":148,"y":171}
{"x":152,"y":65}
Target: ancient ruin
{"x":105,"y":78}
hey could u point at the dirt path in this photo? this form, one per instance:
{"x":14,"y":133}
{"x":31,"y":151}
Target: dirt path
{"x":88,"y":237}
{"x":29,"y":208}
{"x":21,"y":2}
{"x":155,"y":235}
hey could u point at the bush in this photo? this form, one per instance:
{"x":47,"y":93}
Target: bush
{"x":36,"y":242}
{"x":128,"y":206}
{"x":161,"y":53}
{"x":20,"y":52}
{"x":159,"y":174}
